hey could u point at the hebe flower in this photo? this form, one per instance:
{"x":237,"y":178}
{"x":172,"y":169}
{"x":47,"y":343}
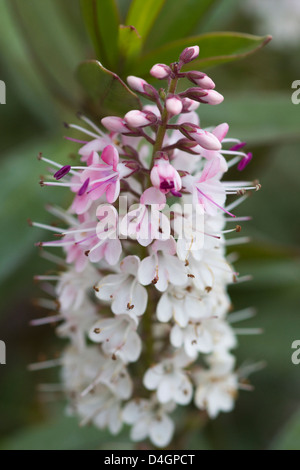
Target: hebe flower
{"x":148,"y":285}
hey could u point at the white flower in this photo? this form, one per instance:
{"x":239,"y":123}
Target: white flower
{"x":149,"y":419}
{"x":124,"y":290}
{"x":169,"y":380}
{"x":217,"y":387}
{"x":73,"y":287}
{"x":162,"y":268}
{"x":83,"y":371}
{"x":118,"y":337}
{"x":204,"y":336}
{"x":180,"y":304}
{"x":102,"y":408}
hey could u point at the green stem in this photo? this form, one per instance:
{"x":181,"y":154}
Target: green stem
{"x":164,"y":120}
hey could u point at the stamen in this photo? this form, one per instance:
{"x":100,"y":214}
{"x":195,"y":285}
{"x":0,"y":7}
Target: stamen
{"x":62,"y":172}
{"x":46,"y":320}
{"x":213,"y":202}
{"x":91,"y":124}
{"x":248,"y":331}
{"x":46,"y":227}
{"x":241,"y":315}
{"x":237,"y":241}
{"x":84,"y":187}
{"x":45,"y":364}
{"x":82,"y":129}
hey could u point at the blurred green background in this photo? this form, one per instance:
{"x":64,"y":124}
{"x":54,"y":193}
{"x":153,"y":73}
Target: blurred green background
{"x":42,"y":44}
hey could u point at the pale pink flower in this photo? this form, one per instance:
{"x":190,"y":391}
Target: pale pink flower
{"x":164,"y":176}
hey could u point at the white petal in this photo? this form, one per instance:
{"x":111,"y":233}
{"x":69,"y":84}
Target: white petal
{"x":183,"y":393}
{"x":130,"y":264}
{"x":115,"y":423}
{"x":176,"y":336}
{"x":161,"y":431}
{"x":153,"y":377}
{"x":109,"y":285}
{"x":164,"y":308}
{"x":132,"y":348}
{"x":177,"y":275}
{"x":165,"y":390}
{"x":139,"y":299}
{"x":146,"y":272}
{"x":140,"y":430}
{"x":133,"y":410}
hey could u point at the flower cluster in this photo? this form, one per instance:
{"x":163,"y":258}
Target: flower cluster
{"x":144,"y":302}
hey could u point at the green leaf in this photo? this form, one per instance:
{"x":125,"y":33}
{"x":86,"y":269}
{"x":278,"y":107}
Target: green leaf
{"x":142,"y":16}
{"x":102,"y":21}
{"x":177,"y":20}
{"x":109,"y":91}
{"x":289,"y":437}
{"x":64,"y":433}
{"x":215,"y":48}
{"x":129,"y":44}
{"x":257,"y":118}
{"x":23,"y":198}
{"x":44,"y":46}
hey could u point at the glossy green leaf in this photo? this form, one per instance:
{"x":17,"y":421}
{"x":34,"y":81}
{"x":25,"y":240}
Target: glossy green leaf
{"x":215,"y":48}
{"x":177,"y":20}
{"x":102,"y":21}
{"x":110,"y":93}
{"x":142,"y":14}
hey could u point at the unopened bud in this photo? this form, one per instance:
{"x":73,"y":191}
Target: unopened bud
{"x":189,"y":54}
{"x":115,"y":124}
{"x":174,"y":105}
{"x":201,"y":79}
{"x":189,"y":105}
{"x":204,"y":138}
{"x":136,"y":118}
{"x":160,"y":71}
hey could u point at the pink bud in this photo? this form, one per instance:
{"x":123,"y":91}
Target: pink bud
{"x":212,"y":97}
{"x":201,"y":79}
{"x":203,"y":96}
{"x":189,"y":105}
{"x":115,"y":124}
{"x":174,"y":105}
{"x":160,"y":71}
{"x":189,"y":54}
{"x":164,"y":176}
{"x":204,"y":138}
{"x":141,"y":86}
{"x":136,"y":83}
{"x":136,"y":118}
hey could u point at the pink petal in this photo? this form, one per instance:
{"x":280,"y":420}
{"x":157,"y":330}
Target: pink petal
{"x":110,"y":156}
